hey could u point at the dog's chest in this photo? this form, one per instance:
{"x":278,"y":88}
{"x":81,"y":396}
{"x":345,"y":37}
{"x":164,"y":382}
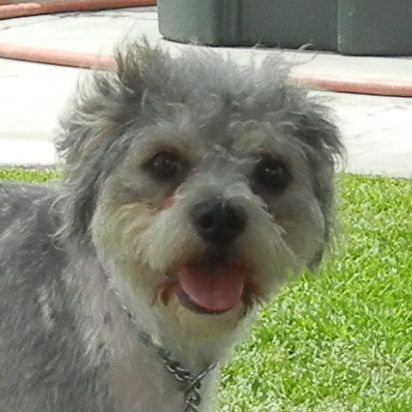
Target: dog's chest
{"x":140,"y":382}
{"x":143,"y":385}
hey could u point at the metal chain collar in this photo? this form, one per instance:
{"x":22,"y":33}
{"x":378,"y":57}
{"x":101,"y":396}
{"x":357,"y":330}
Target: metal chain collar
{"x":190,"y":384}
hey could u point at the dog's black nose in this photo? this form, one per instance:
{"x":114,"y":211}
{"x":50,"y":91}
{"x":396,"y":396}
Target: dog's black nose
{"x":218,"y":221}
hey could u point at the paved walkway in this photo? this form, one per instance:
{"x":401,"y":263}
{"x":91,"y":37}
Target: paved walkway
{"x":377,"y":130}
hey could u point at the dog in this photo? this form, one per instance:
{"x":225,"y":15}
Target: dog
{"x":193,"y":188}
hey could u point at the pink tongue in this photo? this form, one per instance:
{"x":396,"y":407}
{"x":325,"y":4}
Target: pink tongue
{"x":215,"y":289}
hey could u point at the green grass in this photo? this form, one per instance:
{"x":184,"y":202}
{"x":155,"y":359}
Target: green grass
{"x":28,"y":175}
{"x":340,"y":340}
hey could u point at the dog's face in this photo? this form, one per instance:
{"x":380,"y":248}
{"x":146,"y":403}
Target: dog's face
{"x":206,"y":194}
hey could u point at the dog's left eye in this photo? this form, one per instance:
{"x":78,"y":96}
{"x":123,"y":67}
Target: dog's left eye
{"x":163,"y":165}
{"x":271,"y":174}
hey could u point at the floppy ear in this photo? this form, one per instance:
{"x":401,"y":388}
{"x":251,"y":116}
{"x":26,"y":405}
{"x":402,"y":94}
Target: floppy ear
{"x":103,"y":108}
{"x":96,"y":119}
{"x":323,"y":149}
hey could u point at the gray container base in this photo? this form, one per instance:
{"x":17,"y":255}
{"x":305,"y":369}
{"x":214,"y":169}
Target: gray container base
{"x":366,"y":27}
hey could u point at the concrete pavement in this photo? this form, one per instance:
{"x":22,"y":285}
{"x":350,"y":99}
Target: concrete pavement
{"x":377,"y":130}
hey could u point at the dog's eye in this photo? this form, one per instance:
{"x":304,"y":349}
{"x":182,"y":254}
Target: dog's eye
{"x":163,"y":165}
{"x":271,"y":174}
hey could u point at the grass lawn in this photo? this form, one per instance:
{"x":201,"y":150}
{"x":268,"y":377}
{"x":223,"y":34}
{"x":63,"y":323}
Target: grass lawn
{"x":340,"y":340}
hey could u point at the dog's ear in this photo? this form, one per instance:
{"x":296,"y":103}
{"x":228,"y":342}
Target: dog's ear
{"x":324,"y":151}
{"x":103,"y":107}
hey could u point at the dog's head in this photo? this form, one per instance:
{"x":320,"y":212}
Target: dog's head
{"x":200,"y":184}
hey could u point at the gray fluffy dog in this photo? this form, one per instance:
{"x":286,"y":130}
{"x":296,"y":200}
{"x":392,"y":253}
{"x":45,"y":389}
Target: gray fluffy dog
{"x":193,"y":187}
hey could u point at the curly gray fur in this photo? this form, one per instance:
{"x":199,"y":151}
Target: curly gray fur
{"x":53,"y":348}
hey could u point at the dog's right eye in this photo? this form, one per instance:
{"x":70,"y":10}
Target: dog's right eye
{"x":271,"y":174}
{"x":163,"y":165}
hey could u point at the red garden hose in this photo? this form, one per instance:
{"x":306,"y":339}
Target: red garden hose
{"x":59,"y":6}
{"x":57,"y":57}
{"x":357,"y":85}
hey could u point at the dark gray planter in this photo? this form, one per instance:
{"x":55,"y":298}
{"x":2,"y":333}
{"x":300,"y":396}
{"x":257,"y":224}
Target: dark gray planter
{"x":373,"y":27}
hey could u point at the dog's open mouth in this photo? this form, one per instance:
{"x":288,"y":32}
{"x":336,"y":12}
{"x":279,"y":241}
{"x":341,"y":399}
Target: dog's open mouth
{"x":211,"y":287}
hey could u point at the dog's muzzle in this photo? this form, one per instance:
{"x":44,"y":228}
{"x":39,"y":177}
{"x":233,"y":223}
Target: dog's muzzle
{"x":214,"y":282}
